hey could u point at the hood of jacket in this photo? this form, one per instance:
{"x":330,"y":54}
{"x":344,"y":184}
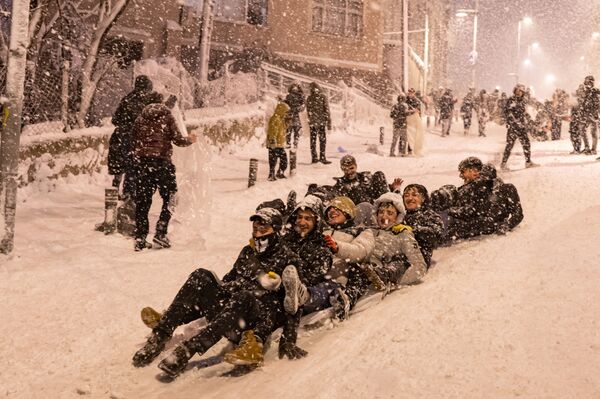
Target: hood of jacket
{"x":281,"y":109}
{"x":394,"y":199}
{"x":311,"y":203}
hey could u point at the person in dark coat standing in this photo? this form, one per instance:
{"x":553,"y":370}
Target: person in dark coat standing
{"x":295,"y":100}
{"x":319,"y":119}
{"x":446,"y":111}
{"x":590,"y":108}
{"x":466,"y":111}
{"x":154,"y":132}
{"x":120,"y":161}
{"x":400,"y":111}
{"x":517,"y":120}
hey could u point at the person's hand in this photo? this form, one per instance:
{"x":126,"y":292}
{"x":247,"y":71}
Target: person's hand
{"x":292,"y":351}
{"x":399,"y":228}
{"x":331,"y":244}
{"x":269,"y":281}
{"x":397,"y":184}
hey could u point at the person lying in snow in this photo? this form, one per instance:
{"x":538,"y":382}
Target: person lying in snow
{"x":505,"y":211}
{"x":249,"y":299}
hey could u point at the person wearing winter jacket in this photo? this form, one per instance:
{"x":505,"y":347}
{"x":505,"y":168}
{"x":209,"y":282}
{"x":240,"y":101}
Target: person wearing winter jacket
{"x":505,"y":209}
{"x":466,"y":111}
{"x":120,"y":160}
{"x":154,"y":133}
{"x":396,"y":257}
{"x":359,"y":186}
{"x":319,"y":119}
{"x":427,"y":226}
{"x":247,"y":302}
{"x":447,"y":102}
{"x":295,"y":100}
{"x":517,"y":120}
{"x":468,"y":216}
{"x":400,"y":111}
{"x":276,"y":141}
{"x":590,"y":109}
{"x":575,"y":124}
{"x":483,"y":111}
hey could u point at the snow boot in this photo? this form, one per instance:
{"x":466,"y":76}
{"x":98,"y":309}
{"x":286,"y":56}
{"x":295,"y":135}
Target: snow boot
{"x":150,"y":317}
{"x":249,"y":351}
{"x":280,"y":175}
{"x":296,"y":293}
{"x":530,"y":164}
{"x":126,"y":217}
{"x":325,"y":161}
{"x":373,"y":277}
{"x":176,"y":362}
{"x":154,"y":346}
{"x":271,"y":176}
{"x":340,"y":304}
{"x":291,"y":202}
{"x":109,"y":226}
{"x":504,"y":167}
{"x":141,"y":244}
{"x":160,"y":237}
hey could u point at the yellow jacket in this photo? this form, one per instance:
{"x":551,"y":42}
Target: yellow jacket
{"x":277,"y":127}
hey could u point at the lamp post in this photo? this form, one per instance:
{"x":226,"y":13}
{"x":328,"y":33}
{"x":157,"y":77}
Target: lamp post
{"x":523,"y":21}
{"x":463,"y":13}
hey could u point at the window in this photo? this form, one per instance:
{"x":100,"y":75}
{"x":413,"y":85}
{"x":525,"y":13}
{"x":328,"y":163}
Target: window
{"x":338,"y":17}
{"x":253,"y":12}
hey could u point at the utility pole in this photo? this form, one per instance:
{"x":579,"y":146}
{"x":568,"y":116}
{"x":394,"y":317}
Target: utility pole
{"x":426,"y":51}
{"x":9,"y":147}
{"x":475,"y":56}
{"x":405,"y":45}
{"x":205,"y":38}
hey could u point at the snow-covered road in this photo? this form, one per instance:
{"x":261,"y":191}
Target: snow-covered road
{"x":503,"y":316}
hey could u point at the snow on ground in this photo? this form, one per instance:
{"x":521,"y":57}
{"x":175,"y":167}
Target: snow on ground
{"x":507,"y":316}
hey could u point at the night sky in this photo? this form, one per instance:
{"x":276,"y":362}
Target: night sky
{"x":563,"y":29}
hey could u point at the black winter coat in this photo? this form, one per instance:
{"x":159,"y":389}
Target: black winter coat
{"x":295,"y":100}
{"x":317,"y":107}
{"x":591,"y":104}
{"x":505,"y":210}
{"x":249,"y":264}
{"x":470,"y":213}
{"x":517,"y":118}
{"x":364,"y":188}
{"x":446,"y":106}
{"x":428,"y":229}
{"x":399,"y":114}
{"x":120,"y":143}
{"x":314,"y":253}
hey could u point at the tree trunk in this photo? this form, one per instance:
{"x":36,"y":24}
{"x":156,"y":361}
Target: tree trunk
{"x":88,"y":83}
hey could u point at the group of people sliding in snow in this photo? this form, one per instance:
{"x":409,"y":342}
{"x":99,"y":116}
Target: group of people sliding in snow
{"x":336,"y":245}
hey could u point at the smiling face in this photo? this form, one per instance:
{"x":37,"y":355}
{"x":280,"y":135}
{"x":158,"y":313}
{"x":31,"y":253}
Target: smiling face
{"x":386,"y":215}
{"x":261,"y":228}
{"x":335,"y":216}
{"x":412,"y":199}
{"x":305,"y":222}
{"x":349,"y":170}
{"x":469,"y":174}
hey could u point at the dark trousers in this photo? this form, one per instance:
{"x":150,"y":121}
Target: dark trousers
{"x":556,"y":128}
{"x":318,"y":131}
{"x":575,"y":138}
{"x":128,"y":179}
{"x":292,"y":133}
{"x":274,"y":155}
{"x":511,"y":136}
{"x":594,"y":132}
{"x":467,"y":118}
{"x":152,"y":174}
{"x":399,"y":136}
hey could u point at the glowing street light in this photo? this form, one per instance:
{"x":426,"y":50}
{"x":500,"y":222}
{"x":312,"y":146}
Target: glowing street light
{"x":595,"y":35}
{"x":550,"y":78}
{"x":527,"y":21}
{"x":527,"y":62}
{"x":473,"y":56}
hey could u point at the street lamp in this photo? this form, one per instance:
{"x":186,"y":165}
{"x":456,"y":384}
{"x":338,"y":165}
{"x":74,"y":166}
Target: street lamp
{"x":473,"y":56}
{"x":524,"y":21}
{"x":596,"y":35}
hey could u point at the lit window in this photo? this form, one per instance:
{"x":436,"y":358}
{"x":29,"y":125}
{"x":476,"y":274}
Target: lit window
{"x":338,"y":17}
{"x":253,"y":12}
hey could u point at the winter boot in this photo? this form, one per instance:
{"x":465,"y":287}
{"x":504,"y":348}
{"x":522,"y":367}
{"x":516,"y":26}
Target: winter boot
{"x":126,"y":217}
{"x":160,"y":237}
{"x":340,"y":304}
{"x":249,"y":351}
{"x":373,"y":277}
{"x":296,"y":293}
{"x":291,"y":202}
{"x":141,"y":244}
{"x":280,"y":175}
{"x":504,"y":167}
{"x":111,"y":196}
{"x":154,"y":346}
{"x":271,"y":176}
{"x":325,"y":161}
{"x":176,"y":362}
{"x":530,"y":164}
{"x":150,"y":317}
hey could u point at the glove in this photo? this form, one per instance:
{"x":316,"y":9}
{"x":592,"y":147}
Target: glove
{"x":269,"y":281}
{"x":399,"y":228}
{"x":330,"y":242}
{"x":292,"y":351}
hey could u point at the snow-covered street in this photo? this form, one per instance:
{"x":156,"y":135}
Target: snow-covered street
{"x":503,"y":316}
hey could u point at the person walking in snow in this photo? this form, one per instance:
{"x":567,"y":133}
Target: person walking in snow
{"x":447,"y":102}
{"x":400,"y":111}
{"x":295,"y":100}
{"x":590,"y":109}
{"x":483,"y":112}
{"x":319,"y":120}
{"x":154,"y":132}
{"x":276,"y":133}
{"x":466,"y":111}
{"x":518,"y":121}
{"x":576,"y":120}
